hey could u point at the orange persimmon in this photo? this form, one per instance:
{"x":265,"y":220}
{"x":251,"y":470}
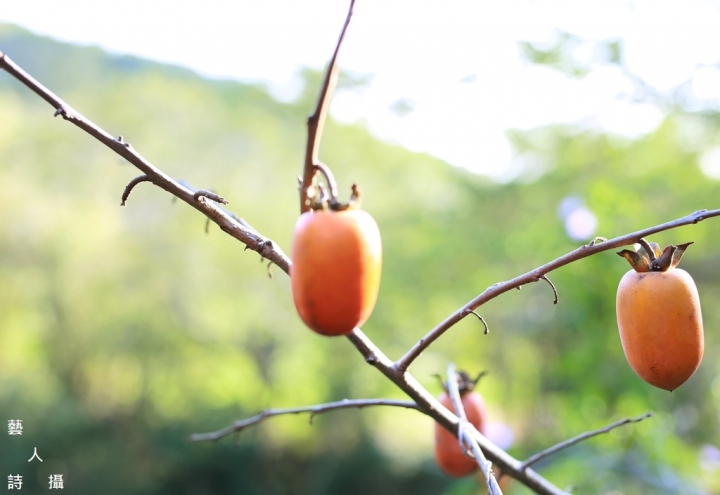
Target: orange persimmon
{"x":659,"y":317}
{"x":335,"y":275}
{"x":448,"y":453}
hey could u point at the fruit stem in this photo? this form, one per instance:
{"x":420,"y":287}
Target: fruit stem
{"x":330,"y":179}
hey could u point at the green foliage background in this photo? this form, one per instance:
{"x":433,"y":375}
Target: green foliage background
{"x":123,"y":330}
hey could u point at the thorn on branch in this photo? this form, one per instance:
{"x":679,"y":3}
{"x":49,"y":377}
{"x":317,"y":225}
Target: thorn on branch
{"x":555,"y":292}
{"x":202,"y":193}
{"x":469,"y":311}
{"x":128,"y":189}
{"x":60,"y":111}
{"x":122,"y":141}
{"x":268,"y":269}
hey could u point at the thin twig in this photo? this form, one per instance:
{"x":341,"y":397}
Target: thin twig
{"x":217,"y":214}
{"x":487,"y":329}
{"x":210,"y":195}
{"x":464,"y":433}
{"x":317,"y":120}
{"x":532,"y":276}
{"x":583,"y":436}
{"x":555,"y":292}
{"x":313,"y":410}
{"x":131,"y":185}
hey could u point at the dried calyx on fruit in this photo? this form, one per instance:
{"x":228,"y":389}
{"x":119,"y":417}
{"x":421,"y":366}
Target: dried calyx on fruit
{"x":651,"y":259}
{"x":659,"y":317}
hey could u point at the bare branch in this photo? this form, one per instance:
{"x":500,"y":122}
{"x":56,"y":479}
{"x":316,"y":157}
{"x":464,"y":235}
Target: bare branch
{"x":131,"y":185}
{"x":583,"y":436}
{"x":224,"y":219}
{"x":317,"y":120}
{"x":464,"y":432}
{"x":238,"y":426}
{"x":432,"y":407}
{"x":534,"y":275}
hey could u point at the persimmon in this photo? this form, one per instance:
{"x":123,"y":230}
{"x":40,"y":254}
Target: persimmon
{"x":659,"y":317}
{"x":335,"y":275}
{"x":449,"y":455}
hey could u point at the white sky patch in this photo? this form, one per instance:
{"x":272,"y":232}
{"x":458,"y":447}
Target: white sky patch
{"x":706,"y":83}
{"x":458,"y":62}
{"x":630,"y":119}
{"x":710,"y":163}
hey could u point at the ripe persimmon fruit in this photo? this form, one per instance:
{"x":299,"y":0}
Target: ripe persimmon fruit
{"x":659,"y":317}
{"x":335,"y":275}
{"x":449,"y":455}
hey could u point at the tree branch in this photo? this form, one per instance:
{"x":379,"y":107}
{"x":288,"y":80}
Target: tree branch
{"x":432,"y":407}
{"x":583,"y":436}
{"x":535,"y":275}
{"x":466,"y":430}
{"x":268,"y":249}
{"x":313,"y":410}
{"x":396,"y":372}
{"x":214,"y":212}
{"x":316,"y":121}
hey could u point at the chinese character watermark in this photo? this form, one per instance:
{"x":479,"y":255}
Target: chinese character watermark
{"x":56,"y":481}
{"x":14,"y":482}
{"x":15,"y":427}
{"x":35,"y":454}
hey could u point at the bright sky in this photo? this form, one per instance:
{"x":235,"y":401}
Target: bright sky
{"x":456,"y":62}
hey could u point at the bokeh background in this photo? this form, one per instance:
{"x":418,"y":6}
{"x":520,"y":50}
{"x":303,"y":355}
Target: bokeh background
{"x":124,"y":330}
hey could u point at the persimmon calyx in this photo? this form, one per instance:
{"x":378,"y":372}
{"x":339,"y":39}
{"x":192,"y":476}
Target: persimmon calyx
{"x":465,"y":383}
{"x":325,"y":202}
{"x":661,"y":261}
